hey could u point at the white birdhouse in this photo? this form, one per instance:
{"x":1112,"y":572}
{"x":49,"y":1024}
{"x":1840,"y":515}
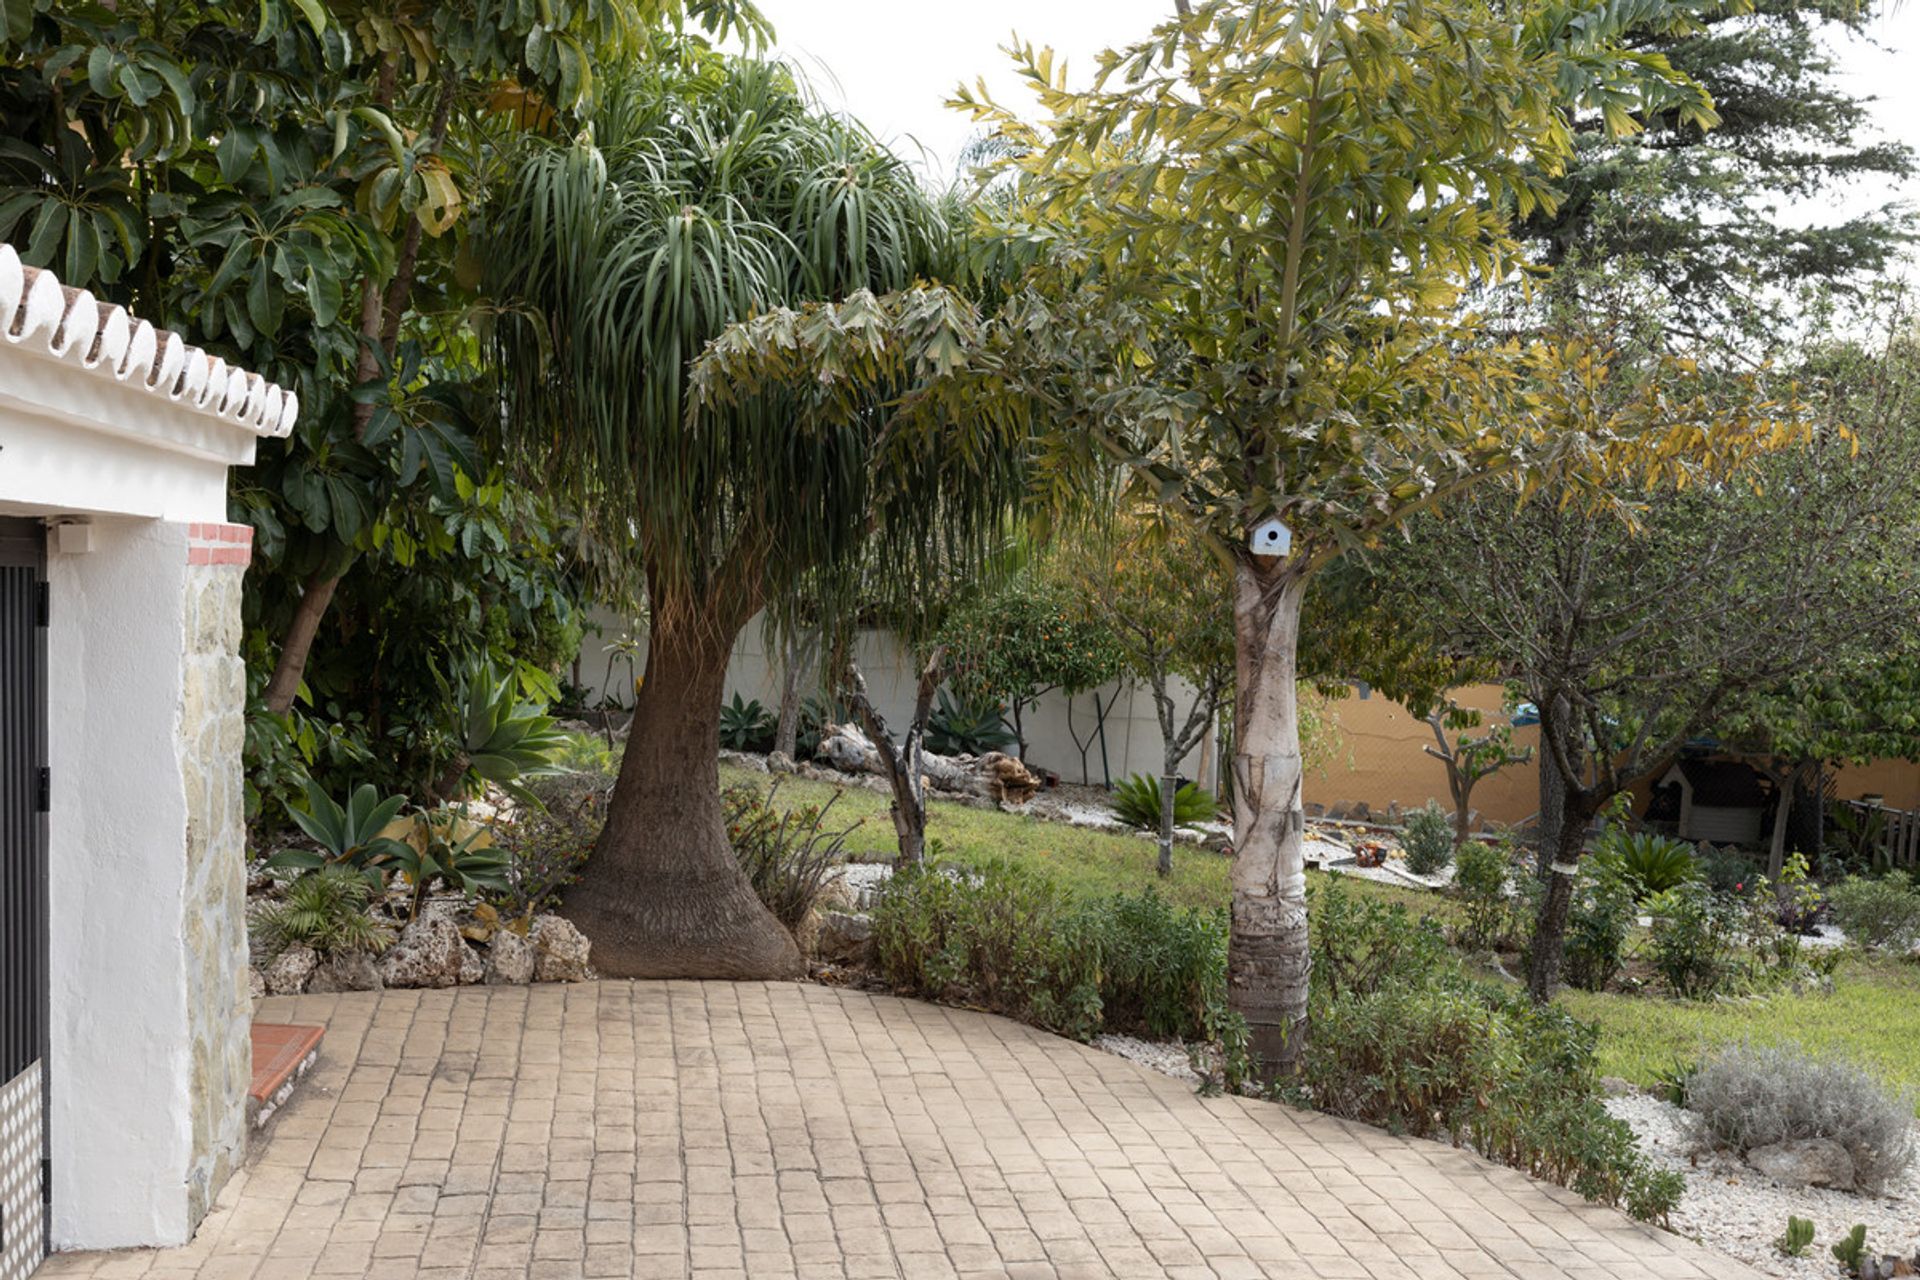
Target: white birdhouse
{"x":1270,"y":538}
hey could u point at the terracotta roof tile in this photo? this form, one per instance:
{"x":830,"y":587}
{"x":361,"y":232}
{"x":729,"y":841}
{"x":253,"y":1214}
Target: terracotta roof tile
{"x":45,"y":317}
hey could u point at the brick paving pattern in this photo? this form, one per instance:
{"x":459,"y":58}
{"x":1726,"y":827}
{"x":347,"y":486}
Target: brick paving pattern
{"x":684,"y":1129}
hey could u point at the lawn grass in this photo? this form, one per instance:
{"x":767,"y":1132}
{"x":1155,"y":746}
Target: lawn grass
{"x":1872,"y":1016}
{"x":1093,"y":864}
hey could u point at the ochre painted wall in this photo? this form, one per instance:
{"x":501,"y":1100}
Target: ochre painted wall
{"x":1376,"y":756}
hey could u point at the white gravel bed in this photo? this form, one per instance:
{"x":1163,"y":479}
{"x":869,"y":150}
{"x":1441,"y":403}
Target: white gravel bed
{"x":1168,"y":1057}
{"x":1733,"y":1208}
{"x":864,"y":880}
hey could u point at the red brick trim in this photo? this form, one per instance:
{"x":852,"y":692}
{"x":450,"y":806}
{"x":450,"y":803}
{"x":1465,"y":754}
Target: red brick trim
{"x":224,"y":544}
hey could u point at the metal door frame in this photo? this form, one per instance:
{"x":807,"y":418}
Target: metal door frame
{"x":25,"y":782}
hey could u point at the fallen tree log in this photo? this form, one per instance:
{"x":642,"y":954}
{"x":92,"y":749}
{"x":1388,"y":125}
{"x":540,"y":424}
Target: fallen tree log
{"x":999,"y":778}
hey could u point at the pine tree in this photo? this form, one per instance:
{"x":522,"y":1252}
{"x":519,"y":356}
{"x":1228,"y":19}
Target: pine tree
{"x":1701,"y":214}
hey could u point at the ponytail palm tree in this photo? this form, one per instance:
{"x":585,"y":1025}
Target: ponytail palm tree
{"x":697,"y":200}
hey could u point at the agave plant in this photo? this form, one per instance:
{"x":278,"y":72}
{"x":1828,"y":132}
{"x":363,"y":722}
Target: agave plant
{"x":967,"y":726}
{"x":352,"y":835}
{"x":446,"y":845}
{"x":504,"y":740}
{"x":745,"y":726}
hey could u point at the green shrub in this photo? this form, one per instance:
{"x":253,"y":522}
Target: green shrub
{"x":1404,"y":1040}
{"x":1427,"y":840}
{"x":1013,"y":942}
{"x":1728,"y":869}
{"x":746,"y":726}
{"x":1883,"y":914}
{"x":549,"y":842}
{"x":1650,"y":863}
{"x":1001,"y":939}
{"x":1480,"y":886}
{"x":326,"y":911}
{"x":787,"y":854}
{"x":1136,"y":801}
{"x":1360,"y":943}
{"x":1599,"y":920}
{"x":1694,"y":942}
{"x":1163,"y":970}
{"x":1748,"y":1096}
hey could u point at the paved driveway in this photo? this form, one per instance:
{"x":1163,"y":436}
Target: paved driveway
{"x":710,"y":1129}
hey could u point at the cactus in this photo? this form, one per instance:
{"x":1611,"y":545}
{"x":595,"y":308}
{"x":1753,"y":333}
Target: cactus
{"x":1798,"y":1236}
{"x":1851,"y":1249}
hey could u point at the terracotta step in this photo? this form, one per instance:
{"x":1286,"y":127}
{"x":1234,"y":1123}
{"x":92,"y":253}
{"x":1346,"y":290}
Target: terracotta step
{"x":282,"y":1054}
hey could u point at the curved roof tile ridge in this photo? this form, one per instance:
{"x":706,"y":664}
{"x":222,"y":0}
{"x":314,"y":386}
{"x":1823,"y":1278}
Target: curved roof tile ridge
{"x":43,"y":316}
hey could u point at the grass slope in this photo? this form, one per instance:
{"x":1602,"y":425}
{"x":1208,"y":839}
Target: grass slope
{"x":1872,"y":1016}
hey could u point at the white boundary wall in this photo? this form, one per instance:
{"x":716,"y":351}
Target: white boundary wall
{"x":1132,"y":728}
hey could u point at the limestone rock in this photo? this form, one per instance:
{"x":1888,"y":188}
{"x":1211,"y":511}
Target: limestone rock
{"x":844,"y":937}
{"x":560,"y":951}
{"x":744,"y":760}
{"x":346,"y":971}
{"x":473,"y":969}
{"x":256,"y":984}
{"x":779,"y":762}
{"x":509,"y":960}
{"x":430,"y":953}
{"x":1806,"y":1162}
{"x":288,"y":974}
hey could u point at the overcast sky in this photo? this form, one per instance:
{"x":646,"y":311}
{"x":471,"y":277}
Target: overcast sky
{"x":894,"y":65}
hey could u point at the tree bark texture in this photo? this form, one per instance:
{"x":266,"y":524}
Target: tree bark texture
{"x":788,"y":730}
{"x":1169,"y":788}
{"x":1553,"y":797}
{"x":663,"y":895}
{"x":905,"y":766}
{"x":1268,"y":960}
{"x":290,"y":668}
{"x":1563,"y":869}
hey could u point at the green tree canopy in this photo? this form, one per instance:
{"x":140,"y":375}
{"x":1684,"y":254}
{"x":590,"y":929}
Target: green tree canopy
{"x":694,"y":200}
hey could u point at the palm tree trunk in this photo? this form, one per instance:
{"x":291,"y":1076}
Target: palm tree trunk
{"x":663,"y":896}
{"x":1268,"y":961}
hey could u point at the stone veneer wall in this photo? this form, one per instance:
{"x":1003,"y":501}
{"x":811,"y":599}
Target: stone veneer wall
{"x":211,"y":732}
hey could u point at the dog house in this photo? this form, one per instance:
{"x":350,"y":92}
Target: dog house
{"x":1719,"y":801}
{"x":124,"y":1012}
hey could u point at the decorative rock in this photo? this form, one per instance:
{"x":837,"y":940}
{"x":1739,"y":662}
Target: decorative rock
{"x":430,"y":953}
{"x":288,"y":974}
{"x":844,"y":937}
{"x":473,"y":970}
{"x":1805,"y":1162}
{"x":779,"y":762}
{"x":560,"y":951}
{"x":509,"y":960}
{"x":346,"y":971}
{"x":744,"y":760}
{"x":1008,"y":780}
{"x":256,"y":984}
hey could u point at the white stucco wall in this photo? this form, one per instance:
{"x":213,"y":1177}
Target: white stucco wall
{"x":1132,"y":728}
{"x":121,"y":1119}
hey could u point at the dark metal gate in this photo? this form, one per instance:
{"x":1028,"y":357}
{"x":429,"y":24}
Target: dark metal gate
{"x":24,"y":1190}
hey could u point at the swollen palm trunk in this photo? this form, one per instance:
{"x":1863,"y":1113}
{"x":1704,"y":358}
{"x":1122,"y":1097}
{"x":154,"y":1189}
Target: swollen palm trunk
{"x":1268,"y":961}
{"x":663,"y":896}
